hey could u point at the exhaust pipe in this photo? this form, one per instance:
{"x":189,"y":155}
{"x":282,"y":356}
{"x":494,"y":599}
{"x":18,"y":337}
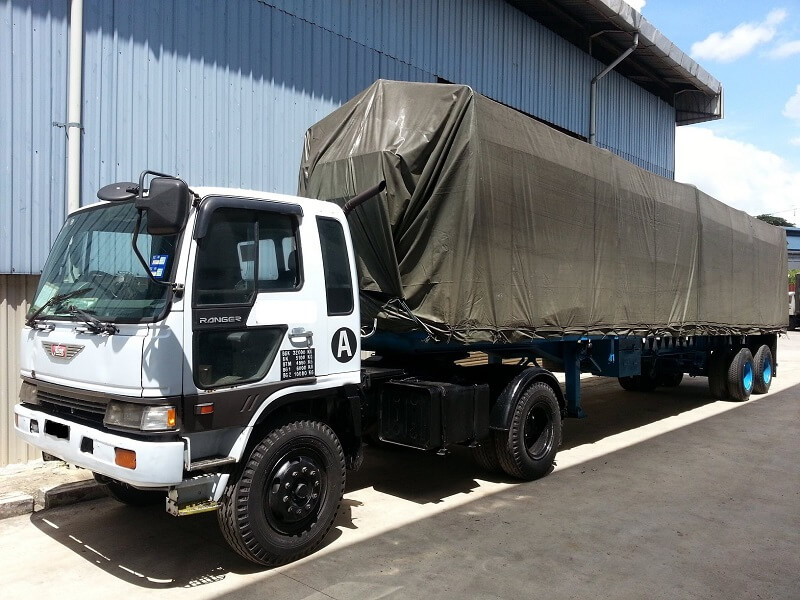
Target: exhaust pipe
{"x":359,"y":199}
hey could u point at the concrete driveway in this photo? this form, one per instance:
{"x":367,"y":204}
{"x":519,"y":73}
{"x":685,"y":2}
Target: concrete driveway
{"x":661,"y":495}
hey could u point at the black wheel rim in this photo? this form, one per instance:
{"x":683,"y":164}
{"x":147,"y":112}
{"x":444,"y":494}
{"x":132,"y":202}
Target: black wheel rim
{"x":538,"y":432}
{"x":295,"y":491}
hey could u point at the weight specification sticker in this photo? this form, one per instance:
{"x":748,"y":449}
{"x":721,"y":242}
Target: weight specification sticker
{"x":297,"y":363}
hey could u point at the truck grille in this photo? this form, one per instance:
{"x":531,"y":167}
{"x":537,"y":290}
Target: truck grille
{"x":69,"y":406}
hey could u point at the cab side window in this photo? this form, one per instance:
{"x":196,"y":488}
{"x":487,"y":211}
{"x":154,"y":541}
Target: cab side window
{"x":246,"y":251}
{"x":336,"y":266}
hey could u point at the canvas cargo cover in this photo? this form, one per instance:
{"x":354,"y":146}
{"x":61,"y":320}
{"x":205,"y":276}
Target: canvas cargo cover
{"x":497,"y":228}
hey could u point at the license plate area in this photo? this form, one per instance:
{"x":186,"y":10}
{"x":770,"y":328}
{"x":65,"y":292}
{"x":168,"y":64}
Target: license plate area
{"x":57,"y":430}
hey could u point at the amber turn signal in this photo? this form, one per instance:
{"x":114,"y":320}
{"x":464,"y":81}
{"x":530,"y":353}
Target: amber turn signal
{"x":125,"y":458}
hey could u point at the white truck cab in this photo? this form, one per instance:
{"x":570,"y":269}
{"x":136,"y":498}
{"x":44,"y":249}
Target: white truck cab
{"x":154,"y":370}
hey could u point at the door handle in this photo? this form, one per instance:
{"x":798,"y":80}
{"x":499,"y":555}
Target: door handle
{"x":297,"y":334}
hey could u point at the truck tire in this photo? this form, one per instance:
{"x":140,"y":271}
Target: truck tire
{"x":127,"y":494}
{"x":763,"y":370}
{"x":671,"y":379}
{"x":741,"y":376}
{"x":286,"y":496}
{"x":718,"y":375}
{"x":485,"y":455}
{"x":638,"y":383}
{"x":527,"y":450}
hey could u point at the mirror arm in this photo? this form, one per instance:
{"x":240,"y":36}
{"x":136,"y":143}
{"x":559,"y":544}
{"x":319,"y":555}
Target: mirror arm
{"x":139,"y":254}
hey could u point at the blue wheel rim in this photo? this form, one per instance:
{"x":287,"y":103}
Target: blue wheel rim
{"x":767,"y":371}
{"x":747,"y":375}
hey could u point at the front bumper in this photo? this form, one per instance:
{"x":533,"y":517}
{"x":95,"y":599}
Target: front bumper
{"x":158,"y":464}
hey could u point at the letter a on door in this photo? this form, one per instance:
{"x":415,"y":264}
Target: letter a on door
{"x":344,"y":344}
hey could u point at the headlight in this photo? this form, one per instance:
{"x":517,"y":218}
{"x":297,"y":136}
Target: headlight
{"x":27,"y":393}
{"x":139,"y":416}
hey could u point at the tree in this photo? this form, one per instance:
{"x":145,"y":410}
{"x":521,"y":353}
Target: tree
{"x":777,"y":221}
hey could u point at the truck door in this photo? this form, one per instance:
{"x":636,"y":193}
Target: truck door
{"x":256,"y":323}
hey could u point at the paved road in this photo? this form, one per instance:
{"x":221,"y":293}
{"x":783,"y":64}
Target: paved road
{"x":662,"y":495}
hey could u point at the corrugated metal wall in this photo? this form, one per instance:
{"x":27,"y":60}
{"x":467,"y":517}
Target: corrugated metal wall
{"x":222,"y":93}
{"x":501,"y":53}
{"x":33,"y":84}
{"x":16,"y":293}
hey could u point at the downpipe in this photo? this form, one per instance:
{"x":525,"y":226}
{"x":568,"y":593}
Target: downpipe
{"x":593,"y":89}
{"x":74,"y":101}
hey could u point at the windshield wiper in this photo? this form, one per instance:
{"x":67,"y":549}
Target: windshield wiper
{"x":58,"y":298}
{"x":93,"y":324}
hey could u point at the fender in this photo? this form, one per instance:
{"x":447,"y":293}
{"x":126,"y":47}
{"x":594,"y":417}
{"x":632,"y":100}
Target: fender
{"x":331,"y":386}
{"x":503,"y":409}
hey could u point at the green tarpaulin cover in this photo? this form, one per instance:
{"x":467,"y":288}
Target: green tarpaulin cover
{"x":495,"y":227}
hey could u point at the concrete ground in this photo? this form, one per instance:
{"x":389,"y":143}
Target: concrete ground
{"x":662,"y":495}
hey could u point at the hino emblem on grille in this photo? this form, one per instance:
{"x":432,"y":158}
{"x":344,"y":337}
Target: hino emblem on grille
{"x":65,"y":351}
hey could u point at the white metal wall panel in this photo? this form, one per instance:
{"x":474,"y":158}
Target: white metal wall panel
{"x":33,"y":75}
{"x":16,"y":293}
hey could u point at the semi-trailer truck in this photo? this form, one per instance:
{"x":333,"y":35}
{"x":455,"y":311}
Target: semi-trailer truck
{"x":231,"y":350}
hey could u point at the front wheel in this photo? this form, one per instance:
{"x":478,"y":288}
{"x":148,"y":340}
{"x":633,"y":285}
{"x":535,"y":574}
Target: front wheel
{"x":287,"y":495}
{"x":527,"y":450}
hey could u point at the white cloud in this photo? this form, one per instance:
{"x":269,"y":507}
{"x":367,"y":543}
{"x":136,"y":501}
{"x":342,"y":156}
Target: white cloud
{"x":785,"y":50}
{"x":792,"y":108}
{"x":795,"y":141}
{"x":740,"y":41}
{"x":739,"y":174}
{"x":637,"y":4}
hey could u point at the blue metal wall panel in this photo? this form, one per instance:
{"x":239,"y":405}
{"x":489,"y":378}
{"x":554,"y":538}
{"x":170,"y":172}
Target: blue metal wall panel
{"x":33,"y":74}
{"x":222,"y":92}
{"x":221,"y":95}
{"x":501,"y":53}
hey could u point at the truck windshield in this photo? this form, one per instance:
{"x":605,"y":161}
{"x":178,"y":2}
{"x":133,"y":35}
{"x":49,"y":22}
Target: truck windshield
{"x":94,"y":267}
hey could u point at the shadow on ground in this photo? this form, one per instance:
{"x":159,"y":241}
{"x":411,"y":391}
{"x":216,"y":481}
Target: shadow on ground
{"x":150,"y":549}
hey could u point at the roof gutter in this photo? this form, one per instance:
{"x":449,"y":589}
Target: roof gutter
{"x":593,"y":89}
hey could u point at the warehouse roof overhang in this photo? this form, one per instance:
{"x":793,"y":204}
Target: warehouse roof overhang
{"x":605,"y":29}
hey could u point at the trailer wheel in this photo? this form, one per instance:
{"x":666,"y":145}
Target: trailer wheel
{"x":638,"y":383}
{"x":629,"y":384}
{"x":671,"y":379}
{"x":127,"y":494}
{"x":741,"y":375}
{"x":528,"y":449}
{"x":718,"y":375}
{"x":763,"y":370}
{"x":485,"y":455}
{"x":287,"y":494}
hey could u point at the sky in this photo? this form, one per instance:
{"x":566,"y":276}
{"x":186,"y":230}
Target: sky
{"x":750,"y":159}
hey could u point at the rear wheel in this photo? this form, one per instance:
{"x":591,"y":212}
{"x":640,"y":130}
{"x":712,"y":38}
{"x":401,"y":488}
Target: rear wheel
{"x":763,"y":370}
{"x":485,"y":455}
{"x":638,"y":383}
{"x":671,"y":379}
{"x":741,"y":375}
{"x":528,"y":449}
{"x":287,"y":495}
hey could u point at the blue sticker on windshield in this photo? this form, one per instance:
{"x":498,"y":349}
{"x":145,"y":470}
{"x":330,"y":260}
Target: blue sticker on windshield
{"x":158,"y":263}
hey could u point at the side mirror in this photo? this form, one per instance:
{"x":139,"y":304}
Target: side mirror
{"x":167,"y":205}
